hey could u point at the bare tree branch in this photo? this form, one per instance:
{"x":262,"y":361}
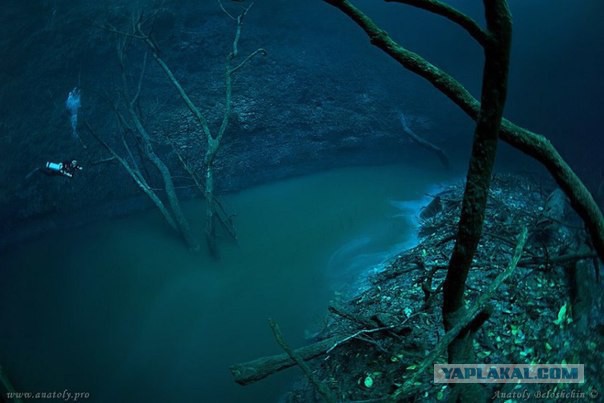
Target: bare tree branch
{"x":450,"y":13}
{"x":138,"y":179}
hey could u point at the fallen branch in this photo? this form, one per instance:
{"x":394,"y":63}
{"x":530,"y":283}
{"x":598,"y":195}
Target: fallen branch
{"x":319,"y":386}
{"x":260,"y":368}
{"x":255,"y":370}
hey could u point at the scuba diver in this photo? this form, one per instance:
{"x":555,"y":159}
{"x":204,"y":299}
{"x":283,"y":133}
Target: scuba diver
{"x":65,"y":168}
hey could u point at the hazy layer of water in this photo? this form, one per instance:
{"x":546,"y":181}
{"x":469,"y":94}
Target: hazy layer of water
{"x":123,"y":311}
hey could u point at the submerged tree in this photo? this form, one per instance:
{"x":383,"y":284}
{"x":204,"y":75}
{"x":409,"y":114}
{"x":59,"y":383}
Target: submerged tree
{"x":131,"y":123}
{"x":212,"y":139}
{"x":215,"y":213}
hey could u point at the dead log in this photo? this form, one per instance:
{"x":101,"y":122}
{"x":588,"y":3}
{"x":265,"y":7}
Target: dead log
{"x":260,"y":368}
{"x":255,"y":370}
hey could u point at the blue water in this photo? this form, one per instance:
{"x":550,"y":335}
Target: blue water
{"x":123,"y":311}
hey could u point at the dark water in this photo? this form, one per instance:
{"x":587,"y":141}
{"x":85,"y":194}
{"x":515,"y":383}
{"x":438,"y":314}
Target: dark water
{"x":123,"y":311}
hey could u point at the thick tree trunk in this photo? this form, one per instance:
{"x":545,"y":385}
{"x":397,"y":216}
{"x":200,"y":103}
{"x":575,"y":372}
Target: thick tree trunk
{"x":482,"y":160}
{"x":484,"y":151}
{"x":253,"y":371}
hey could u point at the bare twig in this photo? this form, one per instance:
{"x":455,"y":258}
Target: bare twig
{"x":260,"y":51}
{"x":357,"y":334}
{"x":225,"y":11}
